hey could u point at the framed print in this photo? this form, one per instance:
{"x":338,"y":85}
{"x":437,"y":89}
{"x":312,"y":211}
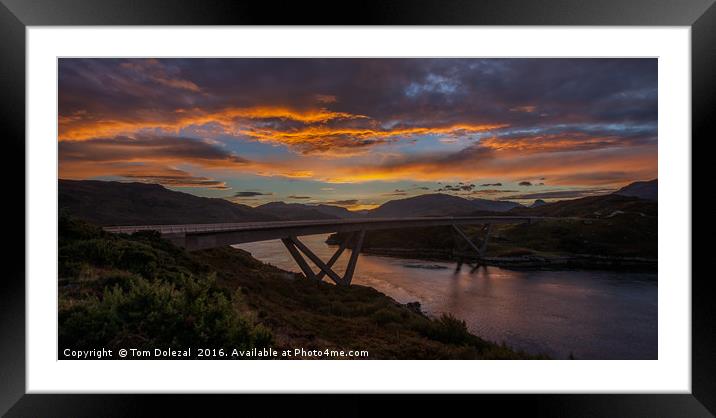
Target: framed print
{"x":493,"y":200}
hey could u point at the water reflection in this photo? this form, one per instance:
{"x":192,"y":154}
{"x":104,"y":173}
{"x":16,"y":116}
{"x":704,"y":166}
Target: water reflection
{"x":590,"y":314}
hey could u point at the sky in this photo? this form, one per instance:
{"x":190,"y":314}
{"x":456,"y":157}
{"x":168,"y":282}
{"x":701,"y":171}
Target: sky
{"x":359,"y":132}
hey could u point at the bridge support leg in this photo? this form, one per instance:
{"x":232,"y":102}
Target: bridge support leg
{"x":481,"y":250}
{"x":299,"y":259}
{"x":336,"y":255}
{"x":294,"y":245}
{"x":483,"y":247}
{"x":348,"y":275}
{"x":316,"y":260}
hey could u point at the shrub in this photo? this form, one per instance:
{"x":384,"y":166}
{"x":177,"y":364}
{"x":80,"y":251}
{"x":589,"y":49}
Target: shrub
{"x":144,"y":292}
{"x":448,"y":329}
{"x":385,"y":315}
{"x":158,"y":314}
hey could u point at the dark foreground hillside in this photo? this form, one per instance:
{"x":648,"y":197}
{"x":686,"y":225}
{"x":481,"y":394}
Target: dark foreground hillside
{"x":142,"y":292}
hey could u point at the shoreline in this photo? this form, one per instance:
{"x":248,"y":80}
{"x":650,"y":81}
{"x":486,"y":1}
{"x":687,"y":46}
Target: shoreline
{"x":528,"y":262}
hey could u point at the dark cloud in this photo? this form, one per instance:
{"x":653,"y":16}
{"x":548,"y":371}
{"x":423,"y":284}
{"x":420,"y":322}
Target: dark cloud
{"x":595,"y":167}
{"x":251,"y":194}
{"x":299,"y":197}
{"x":560,"y":194}
{"x":491,"y":185}
{"x":146,"y":159}
{"x":396,"y":192}
{"x":155,"y":148}
{"x":347,"y":202}
{"x":525,"y":183}
{"x":460,"y":187}
{"x":385,"y":94}
{"x":165,"y":176}
{"x":578,"y":121}
{"x":492,"y":191}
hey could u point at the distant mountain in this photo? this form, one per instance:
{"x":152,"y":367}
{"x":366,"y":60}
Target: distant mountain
{"x":494,"y":205}
{"x":537,"y":203}
{"x":337,"y":211}
{"x":593,"y":207}
{"x":116,"y":203}
{"x":642,"y":189}
{"x":438,"y":205}
{"x":612,"y":225}
{"x":294,"y":211}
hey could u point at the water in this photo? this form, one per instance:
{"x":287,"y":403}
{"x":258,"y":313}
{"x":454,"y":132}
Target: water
{"x":590,"y":314}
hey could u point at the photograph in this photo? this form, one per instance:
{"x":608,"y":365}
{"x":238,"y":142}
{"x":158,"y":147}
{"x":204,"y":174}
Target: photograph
{"x":206,"y":199}
{"x":357,"y":208}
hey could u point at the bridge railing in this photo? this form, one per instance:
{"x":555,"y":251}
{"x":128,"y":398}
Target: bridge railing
{"x":217,"y":227}
{"x":241,"y":226}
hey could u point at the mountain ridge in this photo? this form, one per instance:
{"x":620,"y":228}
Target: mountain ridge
{"x":439,"y":204}
{"x":294,"y":211}
{"x":648,"y":190}
{"x":117,"y":203}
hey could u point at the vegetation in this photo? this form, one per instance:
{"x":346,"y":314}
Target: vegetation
{"x":607,"y":226}
{"x":140,"y":291}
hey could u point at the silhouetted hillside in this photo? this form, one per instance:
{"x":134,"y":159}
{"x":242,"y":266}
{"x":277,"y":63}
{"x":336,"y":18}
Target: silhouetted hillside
{"x":591,"y":207}
{"x":438,"y":205}
{"x":642,"y":189}
{"x":115,"y":203}
{"x":294,"y":211}
{"x":616,"y":227}
{"x":337,"y":211}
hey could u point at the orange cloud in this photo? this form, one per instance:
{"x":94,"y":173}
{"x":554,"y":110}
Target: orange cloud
{"x":551,"y":143}
{"x":349,"y":141}
{"x":314,"y":137}
{"x":81,"y":126}
{"x":142,"y":173}
{"x":597,"y":167}
{"x":609,"y":164}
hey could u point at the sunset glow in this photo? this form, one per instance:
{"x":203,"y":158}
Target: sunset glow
{"x":359,"y":132}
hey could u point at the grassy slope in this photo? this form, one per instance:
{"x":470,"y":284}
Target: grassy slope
{"x":140,"y":291}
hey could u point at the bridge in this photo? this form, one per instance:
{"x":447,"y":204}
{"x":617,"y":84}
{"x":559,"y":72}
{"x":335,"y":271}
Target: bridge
{"x":204,"y":236}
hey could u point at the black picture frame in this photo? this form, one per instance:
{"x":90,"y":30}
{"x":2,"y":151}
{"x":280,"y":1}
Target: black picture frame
{"x":15,"y":15}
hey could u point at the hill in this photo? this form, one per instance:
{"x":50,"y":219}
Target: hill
{"x":294,"y":211}
{"x":438,"y":204}
{"x":337,"y":211}
{"x":618,"y":232}
{"x":648,"y":190}
{"x":591,"y":207}
{"x":115,"y":203}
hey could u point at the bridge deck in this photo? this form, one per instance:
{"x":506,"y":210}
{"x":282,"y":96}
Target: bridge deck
{"x":202,"y":236}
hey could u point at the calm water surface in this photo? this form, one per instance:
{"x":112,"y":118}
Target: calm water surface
{"x":591,"y":314}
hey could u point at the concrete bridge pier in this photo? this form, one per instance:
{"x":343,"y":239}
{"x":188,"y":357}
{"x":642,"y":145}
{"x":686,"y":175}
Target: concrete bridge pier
{"x":296,"y":248}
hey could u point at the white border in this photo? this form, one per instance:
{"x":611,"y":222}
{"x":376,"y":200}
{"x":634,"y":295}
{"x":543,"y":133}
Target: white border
{"x":671,"y":373}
